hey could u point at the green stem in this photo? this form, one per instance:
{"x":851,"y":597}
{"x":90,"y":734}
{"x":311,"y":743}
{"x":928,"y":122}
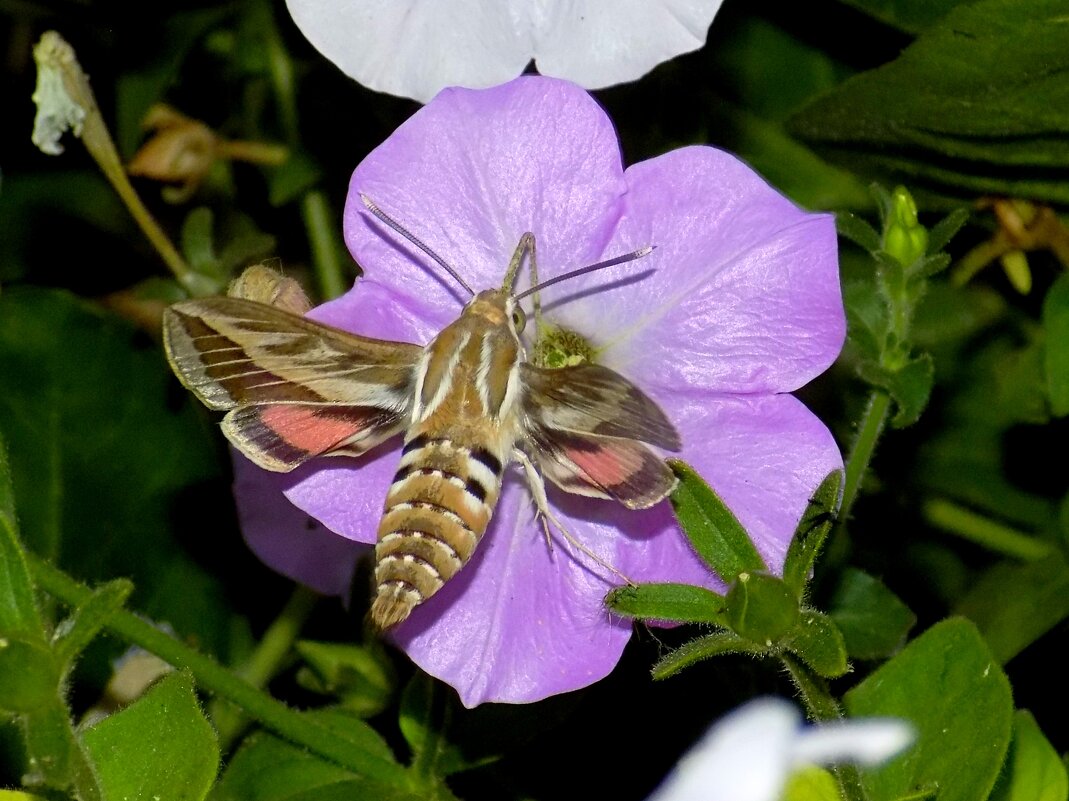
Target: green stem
{"x":990,"y":534}
{"x":214,"y":678}
{"x":320,"y":226}
{"x":281,"y":68}
{"x":822,"y":706}
{"x":872,"y":422}
{"x":268,"y":658}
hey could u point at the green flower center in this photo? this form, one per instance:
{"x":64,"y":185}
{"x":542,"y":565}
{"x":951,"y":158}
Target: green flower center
{"x":559,"y":347}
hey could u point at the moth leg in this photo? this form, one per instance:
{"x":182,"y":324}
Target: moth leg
{"x":538,"y":492}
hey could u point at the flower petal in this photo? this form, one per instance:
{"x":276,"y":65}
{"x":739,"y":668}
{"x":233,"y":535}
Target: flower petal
{"x":764,"y":456}
{"x":741,"y":295}
{"x":521,"y":621}
{"x":414,"y":49}
{"x":598,"y":44}
{"x":286,"y":538}
{"x":744,"y":757}
{"x":474,"y":170}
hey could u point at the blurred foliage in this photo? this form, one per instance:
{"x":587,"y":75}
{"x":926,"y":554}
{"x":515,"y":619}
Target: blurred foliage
{"x":112,"y":473}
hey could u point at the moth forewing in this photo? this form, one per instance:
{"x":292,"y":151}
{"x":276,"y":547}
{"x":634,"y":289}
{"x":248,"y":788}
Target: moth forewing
{"x":467,"y":403}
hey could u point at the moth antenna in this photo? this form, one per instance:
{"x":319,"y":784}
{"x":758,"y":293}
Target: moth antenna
{"x":390,"y":222}
{"x":601,"y":265}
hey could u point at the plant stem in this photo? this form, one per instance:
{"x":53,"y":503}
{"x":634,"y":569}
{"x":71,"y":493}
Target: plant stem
{"x":320,"y":225}
{"x":983,"y":531}
{"x":872,"y":422}
{"x":213,"y":677}
{"x":265,"y":662}
{"x":822,"y":706}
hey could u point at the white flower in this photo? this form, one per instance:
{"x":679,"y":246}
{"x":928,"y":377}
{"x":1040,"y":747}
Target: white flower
{"x":415,"y":48}
{"x":748,"y":755}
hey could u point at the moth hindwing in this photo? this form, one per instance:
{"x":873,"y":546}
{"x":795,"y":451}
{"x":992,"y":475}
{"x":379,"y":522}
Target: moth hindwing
{"x":468,"y":403}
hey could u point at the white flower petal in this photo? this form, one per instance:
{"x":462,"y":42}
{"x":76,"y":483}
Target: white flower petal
{"x":748,"y":755}
{"x":744,"y":757}
{"x":415,"y":49}
{"x":864,"y":742}
{"x":598,"y":44}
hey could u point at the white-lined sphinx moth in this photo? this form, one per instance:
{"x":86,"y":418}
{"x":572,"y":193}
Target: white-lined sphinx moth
{"x":468,"y":403}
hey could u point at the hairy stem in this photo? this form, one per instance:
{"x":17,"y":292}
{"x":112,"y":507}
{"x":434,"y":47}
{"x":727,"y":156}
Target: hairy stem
{"x":869,"y":430}
{"x":214,"y":678}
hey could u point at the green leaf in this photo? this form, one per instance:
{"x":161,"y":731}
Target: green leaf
{"x":910,"y":387}
{"x":949,"y":686}
{"x":160,"y":747}
{"x":952,"y":110}
{"x":1015,"y":604}
{"x":87,"y":620}
{"x":811,"y":784}
{"x":28,"y":675}
{"x":940,"y":234}
{"x":873,"y":621}
{"x":360,"y":676}
{"x":103,"y":445}
{"x":197,"y":245}
{"x":911,"y":16}
{"x":811,"y":532}
{"x":857,"y":231}
{"x":425,"y":718}
{"x":18,"y":607}
{"x":292,"y":179}
{"x":1033,"y":770}
{"x":717,"y":644}
{"x":712,"y":528}
{"x":681,"y":603}
{"x":266,"y":768}
{"x":817,"y":641}
{"x":761,"y":607}
{"x":1056,"y":345}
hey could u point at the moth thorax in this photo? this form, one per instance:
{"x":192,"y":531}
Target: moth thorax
{"x":560,"y":347}
{"x":436,"y":511}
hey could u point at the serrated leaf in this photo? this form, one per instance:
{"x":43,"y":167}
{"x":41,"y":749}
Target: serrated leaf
{"x":102,"y":443}
{"x":717,"y":644}
{"x":1056,"y":345}
{"x":873,"y":621}
{"x":817,"y":641}
{"x":906,"y":117}
{"x":813,"y":528}
{"x":717,"y":535}
{"x":949,"y":686}
{"x":1015,"y":604}
{"x":1033,"y":770}
{"x":681,"y":603}
{"x":160,"y":748}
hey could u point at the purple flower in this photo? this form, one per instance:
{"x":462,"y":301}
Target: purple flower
{"x":415,"y":49}
{"x":738,"y":305}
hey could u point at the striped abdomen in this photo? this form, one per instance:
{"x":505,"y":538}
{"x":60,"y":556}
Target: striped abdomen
{"x":437,"y":509}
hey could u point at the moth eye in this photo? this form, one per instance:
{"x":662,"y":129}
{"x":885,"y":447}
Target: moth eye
{"x":519,"y":319}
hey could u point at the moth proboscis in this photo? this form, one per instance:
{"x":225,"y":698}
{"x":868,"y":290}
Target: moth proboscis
{"x":468,"y":403}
